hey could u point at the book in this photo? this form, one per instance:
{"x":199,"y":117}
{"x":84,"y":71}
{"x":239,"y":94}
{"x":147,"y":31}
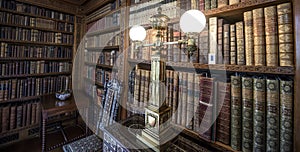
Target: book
{"x":236,"y":113}
{"x":231,"y":2}
{"x":28,"y":114}
{"x":226,"y":43}
{"x":137,"y":87}
{"x":12,"y":121}
{"x":201,"y":5}
{"x":175,"y":109}
{"x":285,"y":33}
{"x":223,"y":111}
{"x":286,"y":115}
{"x":240,"y":48}
{"x":190,"y":101}
{"x":5,"y":118}
{"x":213,"y":45}
{"x":220,"y":41}
{"x":232,"y":44}
{"x":207,"y":4}
{"x":247,"y":113}
{"x":259,"y":37}
{"x":196,"y":123}
{"x":222,"y":3}
{"x":259,"y":114}
{"x":272,"y":115}
{"x":249,"y":40}
{"x":213,"y":4}
{"x":180,"y":94}
{"x":204,"y":45}
{"x":271,"y":32}
{"x":184,"y":97}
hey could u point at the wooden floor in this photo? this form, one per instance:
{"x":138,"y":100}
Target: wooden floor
{"x":34,"y":144}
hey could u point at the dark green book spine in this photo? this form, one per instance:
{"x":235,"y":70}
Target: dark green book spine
{"x":247,"y":110}
{"x":207,"y":5}
{"x":259,"y":114}
{"x":286,"y":116}
{"x":236,"y":113}
{"x":272,"y":115}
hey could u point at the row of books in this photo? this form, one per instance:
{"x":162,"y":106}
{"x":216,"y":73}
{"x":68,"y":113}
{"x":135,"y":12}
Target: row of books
{"x":248,"y":113}
{"x":33,"y":67}
{"x":107,"y":39}
{"x":15,"y":116}
{"x":22,"y":34}
{"x":103,"y":75}
{"x":112,"y":20}
{"x":18,"y":88}
{"x":35,"y":10}
{"x":213,"y":4}
{"x":15,"y":19}
{"x":27,"y":51}
{"x":107,"y":58}
{"x":98,"y":13}
{"x":139,"y":14}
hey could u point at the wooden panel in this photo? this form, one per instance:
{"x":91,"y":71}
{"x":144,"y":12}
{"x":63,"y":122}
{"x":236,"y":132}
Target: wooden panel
{"x":296,"y":5}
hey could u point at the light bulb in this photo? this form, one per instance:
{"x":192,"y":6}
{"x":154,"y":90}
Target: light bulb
{"x":137,"y":33}
{"x":192,"y":21}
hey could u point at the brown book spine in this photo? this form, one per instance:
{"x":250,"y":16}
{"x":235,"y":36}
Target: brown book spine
{"x":175,"y":96}
{"x":196,"y":123}
{"x":226,"y":43}
{"x":12,"y":117}
{"x":240,"y":43}
{"x":146,"y":87}
{"x":33,"y":112}
{"x":231,"y":2}
{"x":180,"y":94}
{"x":249,"y":40}
{"x":222,"y":3}
{"x":285,"y":33}
{"x":271,"y":32}
{"x":184,"y":98}
{"x":28,"y":114}
{"x":247,"y":112}
{"x":259,"y":114}
{"x":272,"y":122}
{"x":286,"y":115}
{"x":220,"y":41}
{"x":137,"y":87}
{"x":201,"y":5}
{"x":24,"y":114}
{"x":190,"y":101}
{"x":223,"y":111}
{"x":170,"y":88}
{"x":259,"y":37}
{"x":5,"y":118}
{"x":142,"y":88}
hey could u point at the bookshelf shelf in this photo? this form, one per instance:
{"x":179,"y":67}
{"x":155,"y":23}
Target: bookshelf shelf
{"x":105,"y":66}
{"x":21,"y":99}
{"x":33,"y":15}
{"x":18,"y":130}
{"x":34,"y":43}
{"x":103,"y":31}
{"x":106,"y":48}
{"x":232,"y":68}
{"x":35,"y":59}
{"x":35,"y":75}
{"x":36,"y":28}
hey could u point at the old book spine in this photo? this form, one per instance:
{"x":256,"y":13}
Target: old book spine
{"x":167,"y":87}
{"x":248,"y":20}
{"x":271,"y":32}
{"x":236,"y":113}
{"x":190,"y":101}
{"x":196,"y":123}
{"x":142,"y":89}
{"x":247,"y":111}
{"x":194,"y":4}
{"x":240,"y":43}
{"x":272,"y":122}
{"x":180,"y":93}
{"x":5,"y":118}
{"x":231,"y":2}
{"x":12,"y":121}
{"x":222,"y":3}
{"x":33,"y":112}
{"x":285,"y":33}
{"x":207,"y":4}
{"x":175,"y":97}
{"x":226,"y":43}
{"x":170,"y":47}
{"x":146,"y":85}
{"x":213,"y":4}
{"x":259,"y":37}
{"x":223,"y":111}
{"x":137,"y":87}
{"x":201,"y":5}
{"x":286,"y":115}
{"x":259,"y":114}
{"x":24,"y":114}
{"x":220,"y":41}
{"x":204,"y":46}
{"x":184,"y":98}
{"x":213,"y":34}
{"x":28,"y":114}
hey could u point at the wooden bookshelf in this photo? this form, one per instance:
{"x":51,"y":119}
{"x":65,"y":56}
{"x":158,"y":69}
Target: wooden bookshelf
{"x":35,"y":28}
{"x":35,"y":75}
{"x":35,"y":59}
{"x":103,"y":31}
{"x":35,"y":43}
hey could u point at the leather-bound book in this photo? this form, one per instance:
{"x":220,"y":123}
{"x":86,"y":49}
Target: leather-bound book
{"x":206,"y":107}
{"x":236,"y":113}
{"x":272,"y":120}
{"x":213,"y":37}
{"x":146,"y":87}
{"x":220,"y":41}
{"x":271,"y":31}
{"x":223,"y":111}
{"x":196,"y":123}
{"x":231,"y":2}
{"x":248,"y":20}
{"x":175,"y":96}
{"x":213,"y":4}
{"x":12,"y":121}
{"x":259,"y":114}
{"x":222,"y":3}
{"x":240,"y":43}
{"x":226,"y":44}
{"x":5,"y":119}
{"x":286,"y":115}
{"x":190,"y":101}
{"x":207,"y":4}
{"x":137,"y":86}
{"x":247,"y":114}
{"x":285,"y":33}
{"x":204,"y":46}
{"x":259,"y":37}
{"x":180,"y":94}
{"x":142,"y":88}
{"x":184,"y":98}
{"x":28,"y":114}
{"x":232,"y":44}
{"x":201,"y":5}
{"x":33,"y":113}
{"x":24,"y":114}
